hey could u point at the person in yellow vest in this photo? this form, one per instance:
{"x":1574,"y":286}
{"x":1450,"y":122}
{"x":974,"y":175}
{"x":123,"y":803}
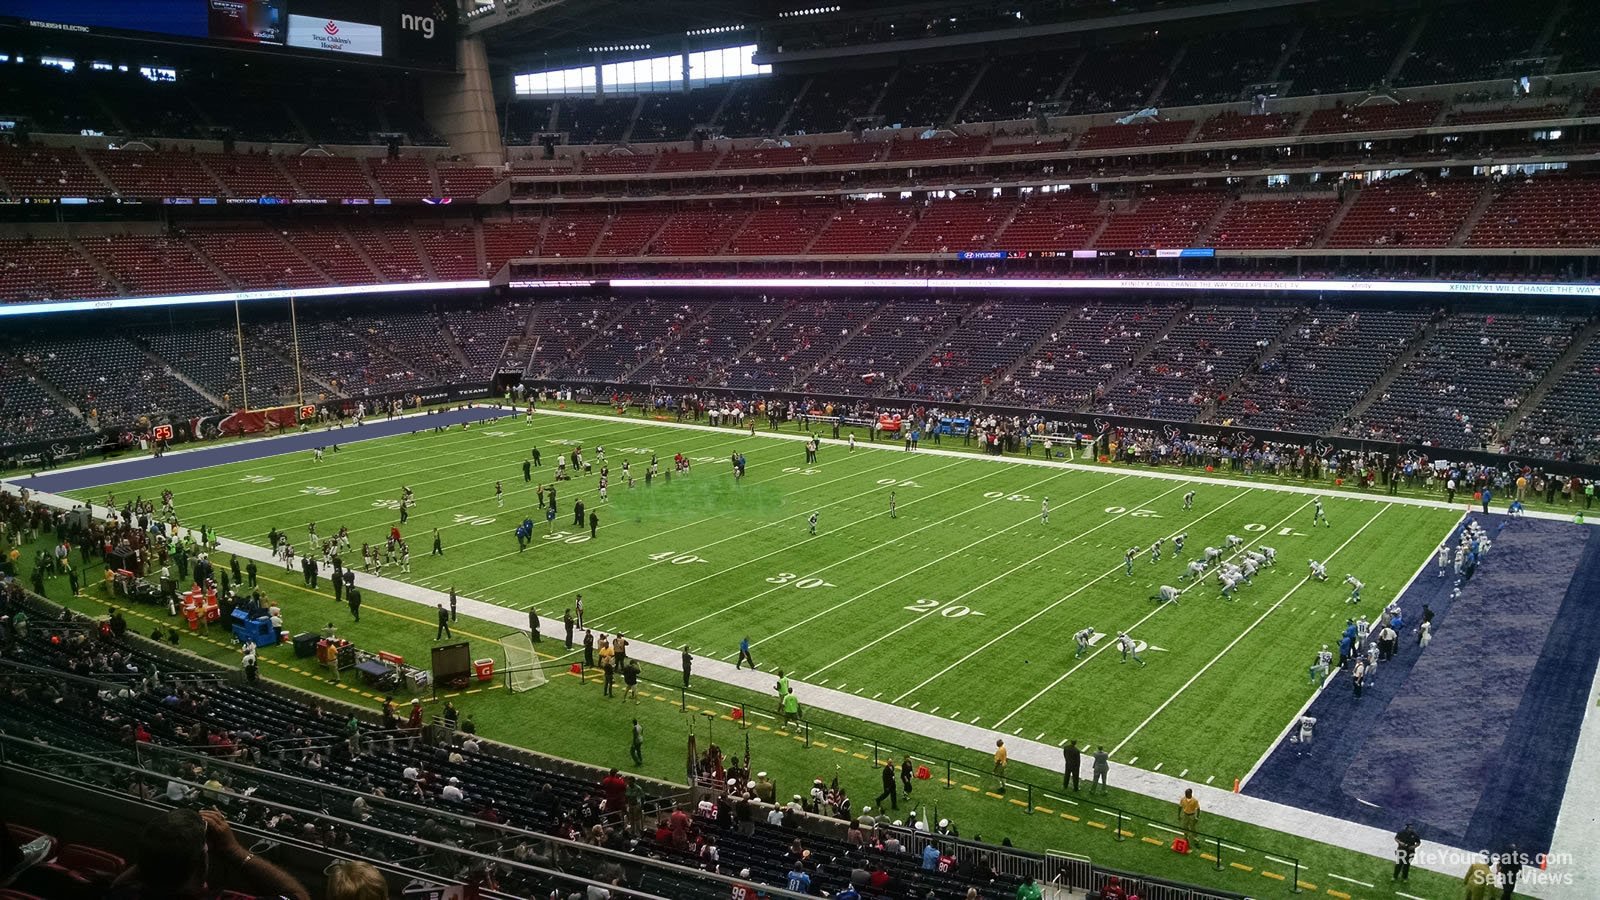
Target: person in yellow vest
{"x":1000,"y":764}
{"x":1189,"y":816}
{"x":1480,"y":880}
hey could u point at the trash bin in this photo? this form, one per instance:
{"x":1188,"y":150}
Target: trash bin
{"x":484,"y":669}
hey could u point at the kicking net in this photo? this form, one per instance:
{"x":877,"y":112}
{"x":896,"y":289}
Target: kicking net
{"x":523,"y":671}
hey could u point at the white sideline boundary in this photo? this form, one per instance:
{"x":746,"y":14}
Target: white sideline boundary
{"x":1375,"y":842}
{"x":1333,"y":674}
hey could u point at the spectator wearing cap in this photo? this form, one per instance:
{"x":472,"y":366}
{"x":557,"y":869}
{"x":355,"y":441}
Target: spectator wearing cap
{"x":452,"y":790}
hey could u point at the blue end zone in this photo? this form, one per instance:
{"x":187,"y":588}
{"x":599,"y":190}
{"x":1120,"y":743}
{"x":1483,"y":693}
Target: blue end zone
{"x":76,"y":479}
{"x":1473,"y":738}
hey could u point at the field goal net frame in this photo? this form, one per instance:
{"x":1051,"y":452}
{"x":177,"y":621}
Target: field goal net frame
{"x":523,"y":671}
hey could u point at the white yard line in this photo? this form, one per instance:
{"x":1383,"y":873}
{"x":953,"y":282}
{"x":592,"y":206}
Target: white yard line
{"x":610,"y":550}
{"x":298,"y":464}
{"x":1003,"y":575}
{"x":1241,"y":635}
{"x":487,"y":489}
{"x":854,"y":556}
{"x":1146,"y":617}
{"x":1041,"y":612}
{"x":741,"y":536}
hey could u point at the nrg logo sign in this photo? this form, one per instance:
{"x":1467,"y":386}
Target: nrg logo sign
{"x":422,"y":24}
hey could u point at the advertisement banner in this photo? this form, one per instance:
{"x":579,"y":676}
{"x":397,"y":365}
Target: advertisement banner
{"x":335,"y":35}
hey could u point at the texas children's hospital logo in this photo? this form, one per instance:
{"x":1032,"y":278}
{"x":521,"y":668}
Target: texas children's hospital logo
{"x":335,"y":35}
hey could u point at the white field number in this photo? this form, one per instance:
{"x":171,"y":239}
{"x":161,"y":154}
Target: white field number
{"x":950,"y":611}
{"x":256,"y":479}
{"x":676,"y":558}
{"x":386,"y":504}
{"x":464,"y":519}
{"x":1002,"y":495}
{"x":796,"y":470}
{"x":318,"y":491}
{"x":639,"y":450}
{"x":803,"y":584}
{"x":895,"y":482}
{"x":496,"y":433}
{"x":1135,"y":513}
{"x":565,"y":537}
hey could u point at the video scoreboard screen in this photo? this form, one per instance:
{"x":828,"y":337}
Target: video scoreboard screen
{"x":415,"y":33}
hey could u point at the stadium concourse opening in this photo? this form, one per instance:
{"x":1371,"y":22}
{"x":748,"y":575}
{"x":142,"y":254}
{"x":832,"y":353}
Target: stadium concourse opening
{"x":823,"y":408}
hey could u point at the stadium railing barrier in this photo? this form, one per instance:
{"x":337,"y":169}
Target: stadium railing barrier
{"x":434,"y":862}
{"x":1214,"y":848}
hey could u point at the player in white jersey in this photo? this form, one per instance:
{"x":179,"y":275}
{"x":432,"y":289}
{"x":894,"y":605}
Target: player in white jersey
{"x":316,"y":454}
{"x":1318,"y":516}
{"x":1363,"y":628}
{"x":1129,"y":648}
{"x":1188,"y":500}
{"x":1212,"y":555}
{"x":1167,"y":594}
{"x":499,"y":494}
{"x":1177,"y":542}
{"x":1197,"y":568}
{"x":1270,"y":553}
{"x":1258,"y":558}
{"x":852,"y":442}
{"x":1319,"y":571}
{"x":1155,"y":551}
{"x":1084,"y":639}
{"x":1322,"y":666}
{"x":1044,"y":512}
{"x":1229,"y":585}
{"x":1444,"y":559}
{"x":1248,"y":570}
{"x":1355,"y":588}
{"x":1127,"y":558}
{"x":1235,"y":541}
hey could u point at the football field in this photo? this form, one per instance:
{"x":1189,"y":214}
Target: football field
{"x":963,"y":604}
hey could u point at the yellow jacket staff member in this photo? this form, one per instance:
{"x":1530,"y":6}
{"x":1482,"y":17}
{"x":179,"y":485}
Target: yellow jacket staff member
{"x":1189,"y":815}
{"x":1000,"y":764}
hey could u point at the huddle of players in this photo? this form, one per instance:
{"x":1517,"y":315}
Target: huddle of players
{"x":1230,"y":574}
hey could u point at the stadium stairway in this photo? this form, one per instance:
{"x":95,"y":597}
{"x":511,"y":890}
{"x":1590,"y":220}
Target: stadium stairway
{"x":1421,"y":340}
{"x":1535,"y":397}
{"x":1005,"y":376}
{"x":1289,"y":328}
{"x":173,"y":370}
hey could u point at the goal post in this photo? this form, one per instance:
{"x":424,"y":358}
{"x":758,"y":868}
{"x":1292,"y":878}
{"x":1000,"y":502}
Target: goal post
{"x":523,"y":671}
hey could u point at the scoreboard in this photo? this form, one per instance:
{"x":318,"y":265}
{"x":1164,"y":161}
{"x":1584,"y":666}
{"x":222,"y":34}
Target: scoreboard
{"x":411,"y":33}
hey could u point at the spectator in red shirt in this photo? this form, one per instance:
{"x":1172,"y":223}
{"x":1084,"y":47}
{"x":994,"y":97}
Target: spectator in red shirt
{"x":615,"y":790}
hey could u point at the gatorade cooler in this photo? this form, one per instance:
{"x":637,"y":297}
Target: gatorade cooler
{"x":484,"y":669}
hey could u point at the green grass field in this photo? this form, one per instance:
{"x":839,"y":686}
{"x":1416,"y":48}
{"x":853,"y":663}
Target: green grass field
{"x":962,"y":606}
